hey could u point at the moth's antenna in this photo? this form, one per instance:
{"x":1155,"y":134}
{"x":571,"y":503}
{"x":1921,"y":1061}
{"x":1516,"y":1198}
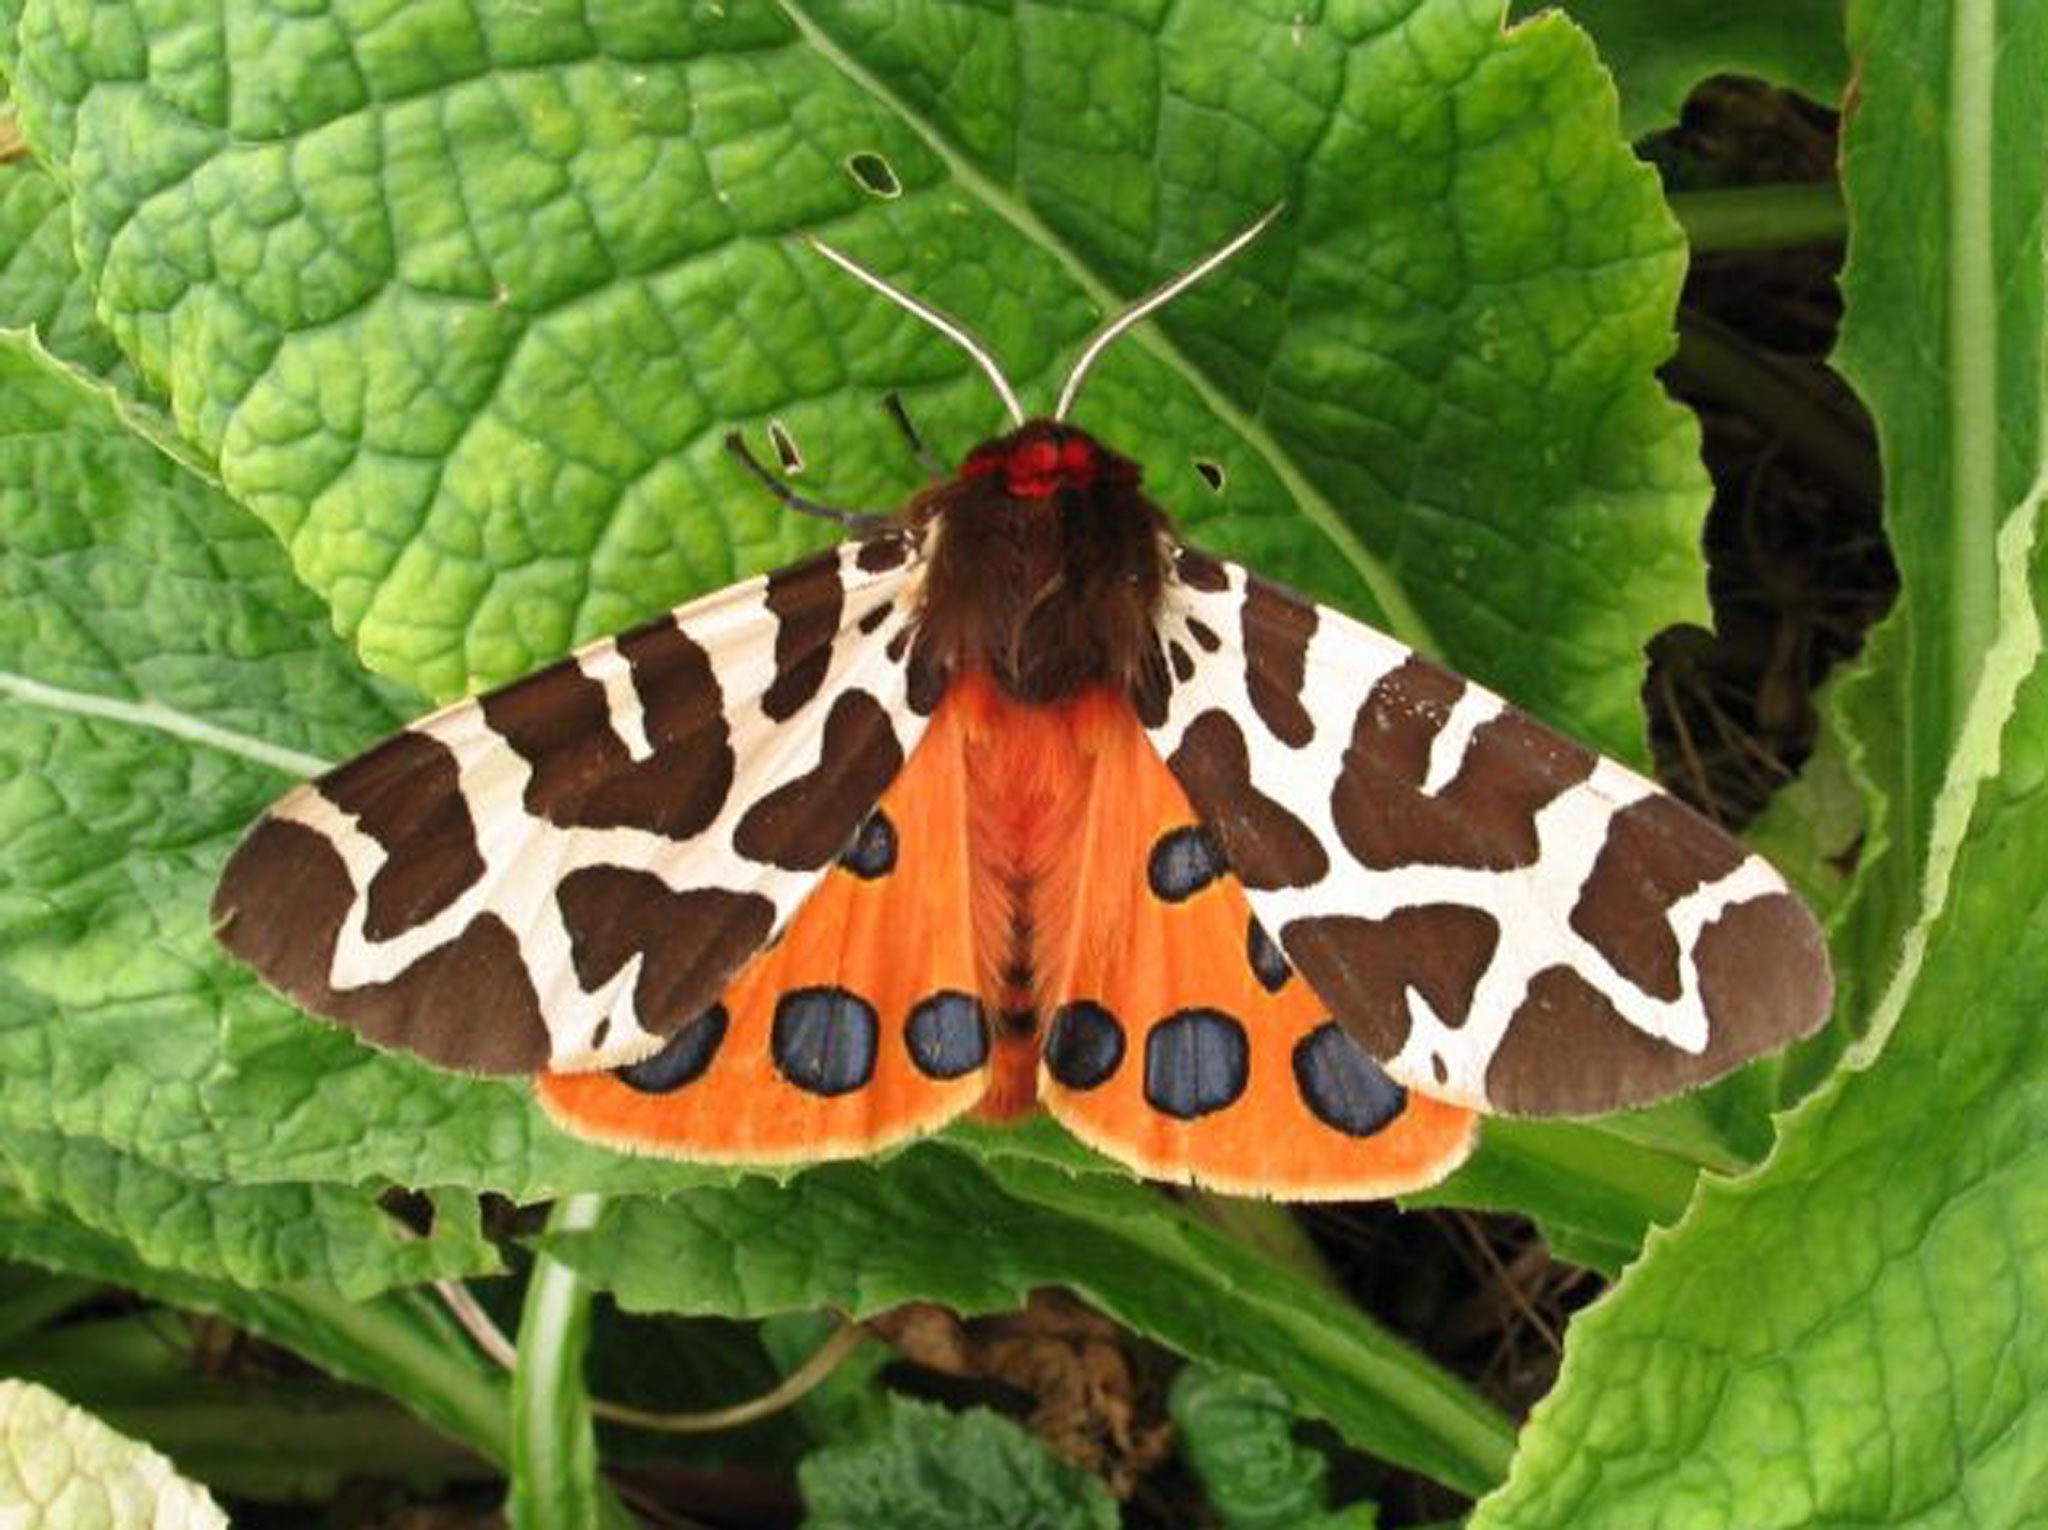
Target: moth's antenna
{"x":1145,"y":305}
{"x":945,"y":324}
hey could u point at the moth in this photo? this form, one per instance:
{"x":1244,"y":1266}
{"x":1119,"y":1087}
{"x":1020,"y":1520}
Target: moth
{"x":1015,"y":799}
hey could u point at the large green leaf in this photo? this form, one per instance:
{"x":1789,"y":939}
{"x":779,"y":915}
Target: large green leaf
{"x":461,"y":300}
{"x":934,"y":1225}
{"x":401,"y":1344}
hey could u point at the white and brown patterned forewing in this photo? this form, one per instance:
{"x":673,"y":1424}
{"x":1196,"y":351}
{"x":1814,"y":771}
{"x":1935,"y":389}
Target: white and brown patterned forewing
{"x":565,"y":871}
{"x":1506,"y":919}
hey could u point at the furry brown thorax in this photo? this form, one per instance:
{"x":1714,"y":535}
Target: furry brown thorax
{"x":1046,"y":565}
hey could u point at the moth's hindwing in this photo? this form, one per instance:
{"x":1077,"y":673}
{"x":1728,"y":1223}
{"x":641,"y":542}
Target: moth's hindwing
{"x":565,"y":872}
{"x":1503,"y":917}
{"x":1179,"y":1039}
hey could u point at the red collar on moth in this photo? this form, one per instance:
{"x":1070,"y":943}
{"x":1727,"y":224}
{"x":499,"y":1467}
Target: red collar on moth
{"x":1041,"y":458}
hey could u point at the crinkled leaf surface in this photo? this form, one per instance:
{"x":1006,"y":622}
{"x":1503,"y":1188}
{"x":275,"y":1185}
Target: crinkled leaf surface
{"x":935,"y":1225}
{"x":461,"y":299}
{"x":1236,"y":1432}
{"x":932,"y":1470}
{"x":60,"y":1466}
{"x":39,"y":282}
{"x":1659,"y":51}
{"x":253,"y":1235}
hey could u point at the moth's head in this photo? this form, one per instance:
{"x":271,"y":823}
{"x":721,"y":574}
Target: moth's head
{"x":1042,"y":457}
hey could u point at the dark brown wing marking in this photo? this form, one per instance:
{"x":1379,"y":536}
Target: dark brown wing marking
{"x":406,"y":791}
{"x":1277,"y":628}
{"x":1368,"y":967}
{"x":804,"y":824}
{"x":466,"y":1003}
{"x":1383,"y":804}
{"x":1266,"y":844}
{"x":585,"y":775}
{"x":809,"y":605}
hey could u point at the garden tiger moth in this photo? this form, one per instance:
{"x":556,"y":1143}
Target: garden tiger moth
{"x":1017,"y":799}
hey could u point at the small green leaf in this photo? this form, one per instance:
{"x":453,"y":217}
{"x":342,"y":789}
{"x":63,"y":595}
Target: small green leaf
{"x":934,"y":1470}
{"x":1237,"y":1433}
{"x":64,"y":1467}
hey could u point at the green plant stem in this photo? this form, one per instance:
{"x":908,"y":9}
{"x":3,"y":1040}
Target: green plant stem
{"x":555,"y":1480}
{"x":1714,"y":361}
{"x":1761,"y":217}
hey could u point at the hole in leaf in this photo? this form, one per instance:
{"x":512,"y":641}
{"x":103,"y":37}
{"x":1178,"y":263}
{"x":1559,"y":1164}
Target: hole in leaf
{"x":1212,"y":473}
{"x":505,"y":1220}
{"x":411,"y":1209}
{"x":786,"y":452}
{"x":877,"y":177}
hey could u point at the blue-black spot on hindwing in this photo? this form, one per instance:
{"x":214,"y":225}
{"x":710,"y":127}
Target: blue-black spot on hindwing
{"x":1269,"y":966}
{"x":1183,"y":862}
{"x":1084,"y":1045}
{"x":824,"y":1040}
{"x":947,"y":1034}
{"x":1342,"y":1085}
{"x":682,"y":1061}
{"x":873,"y":851}
{"x":1196,"y":1062}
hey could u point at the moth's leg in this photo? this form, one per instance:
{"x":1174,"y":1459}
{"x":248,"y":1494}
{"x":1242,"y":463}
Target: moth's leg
{"x":857,"y":521}
{"x":933,"y":468}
